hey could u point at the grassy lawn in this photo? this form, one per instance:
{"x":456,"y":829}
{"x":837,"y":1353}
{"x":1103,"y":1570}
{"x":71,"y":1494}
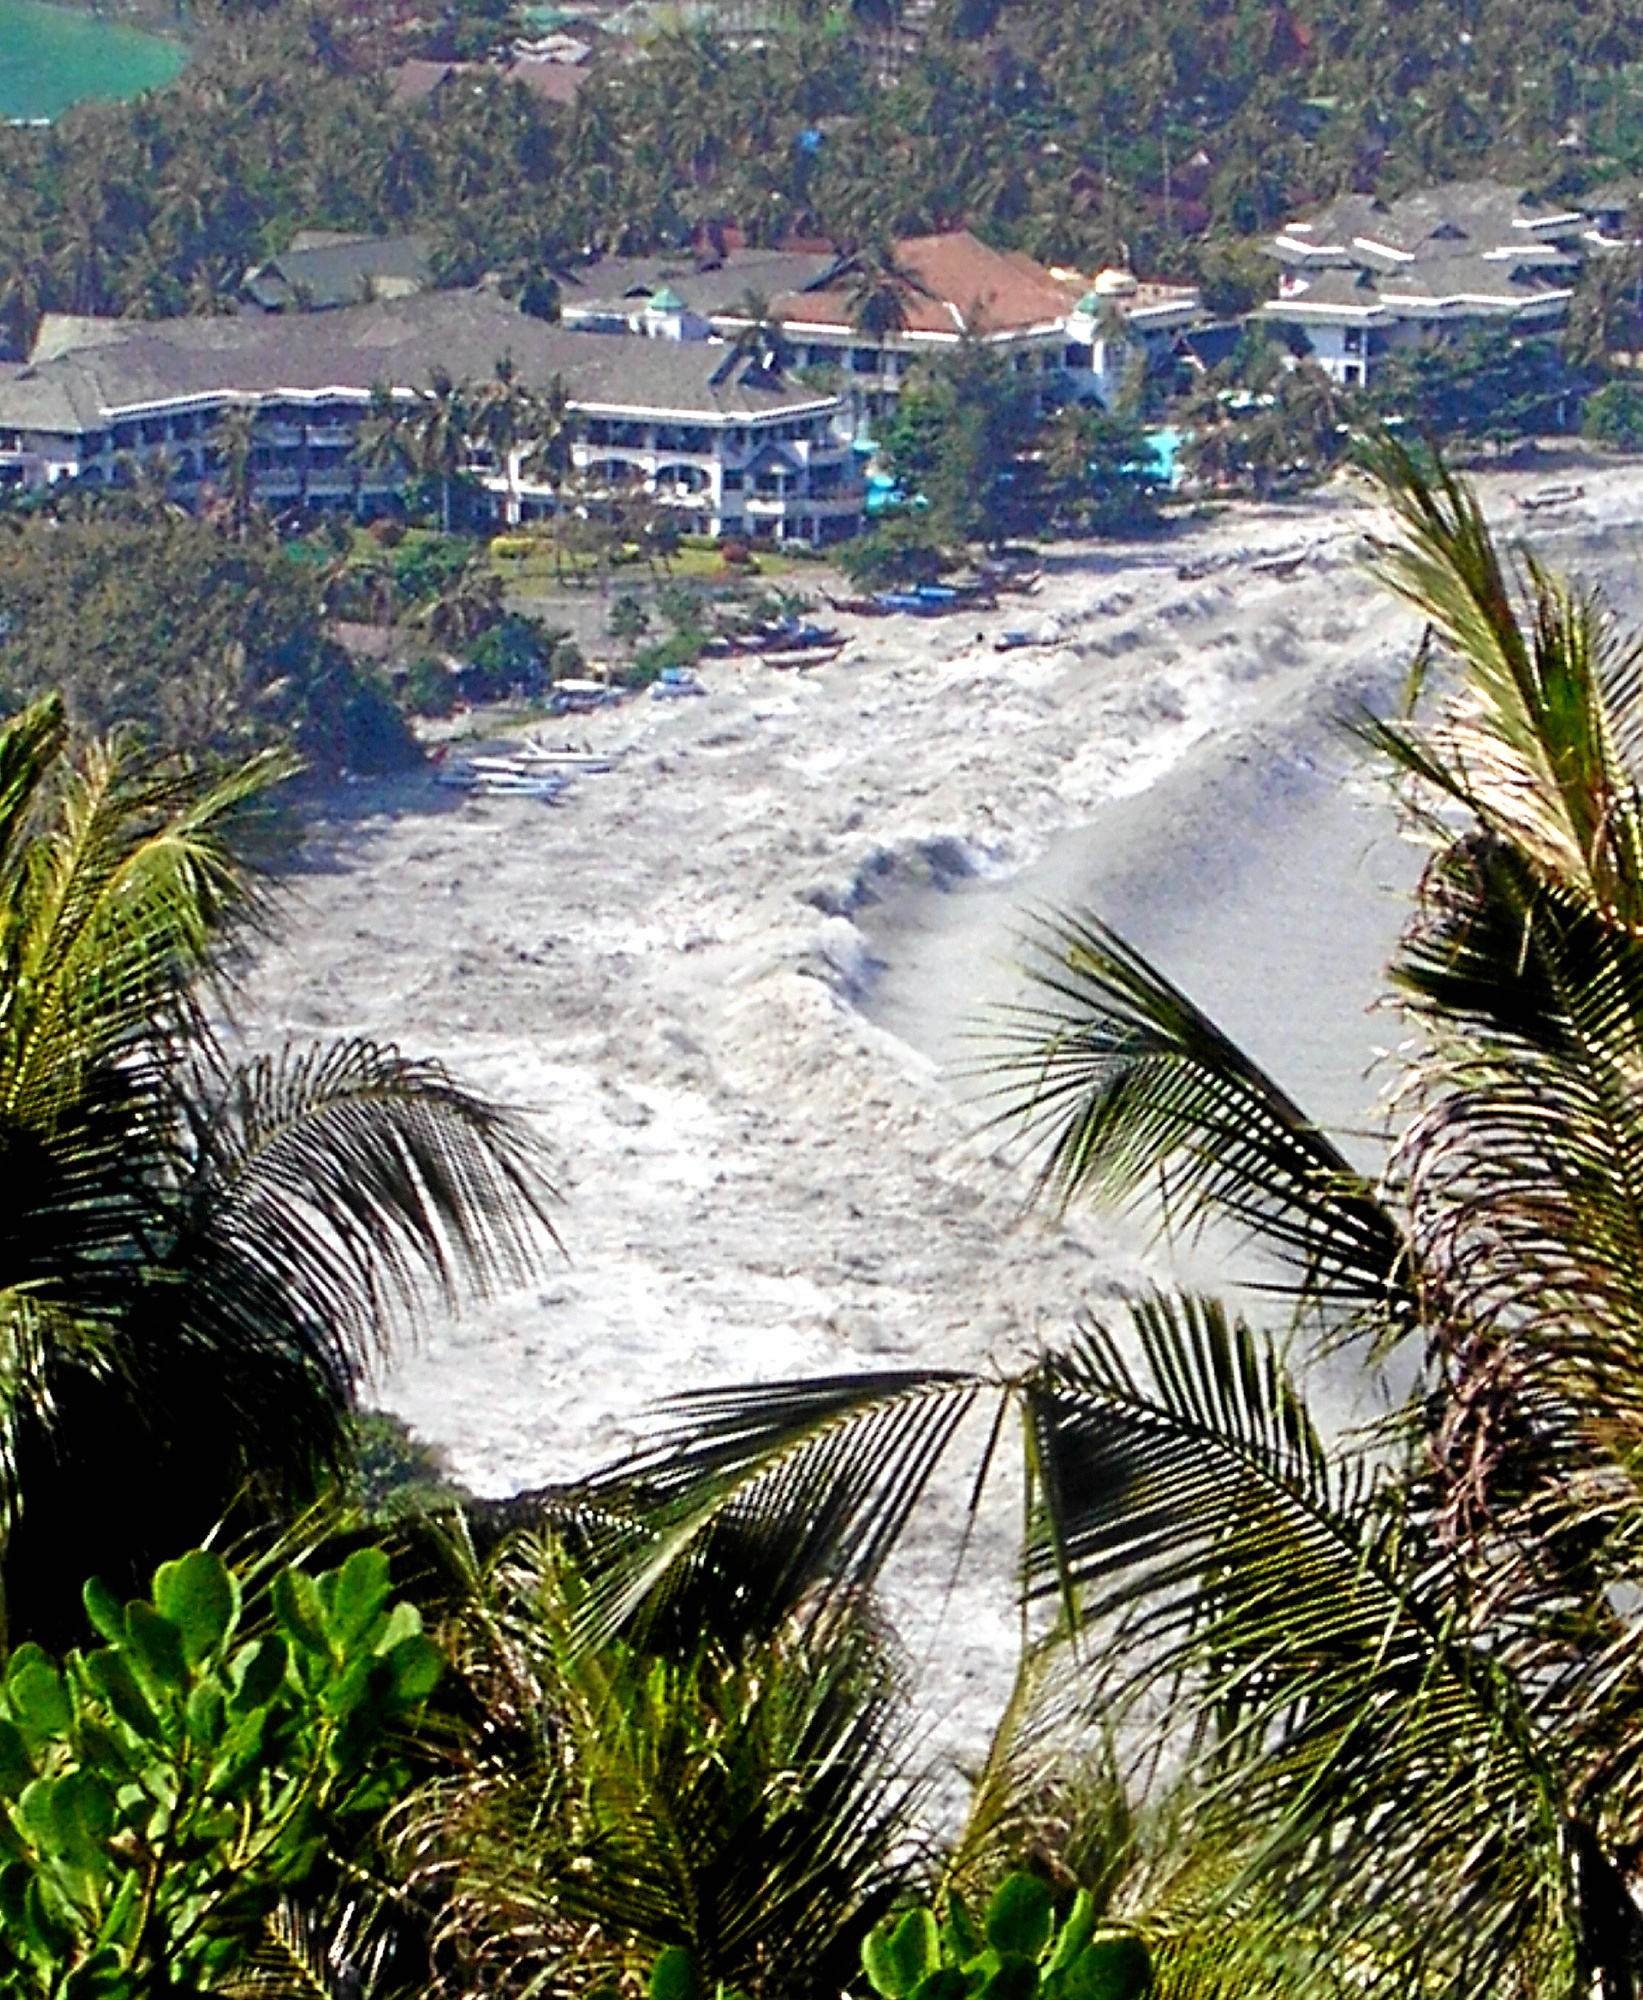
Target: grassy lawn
{"x":536,"y":573}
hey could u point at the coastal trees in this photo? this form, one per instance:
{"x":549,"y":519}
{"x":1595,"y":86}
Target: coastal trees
{"x":197,"y":1258}
{"x":153,"y":622}
{"x":959,"y":437}
{"x":731,"y":1777}
{"x":1403,"y":1668}
{"x":440,"y":428}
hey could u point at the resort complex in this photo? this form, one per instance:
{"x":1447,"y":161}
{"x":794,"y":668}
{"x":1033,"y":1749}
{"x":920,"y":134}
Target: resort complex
{"x":1366,"y":276}
{"x":739,"y":388}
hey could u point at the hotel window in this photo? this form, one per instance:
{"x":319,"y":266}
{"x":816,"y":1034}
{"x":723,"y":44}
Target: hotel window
{"x":1352,"y":340}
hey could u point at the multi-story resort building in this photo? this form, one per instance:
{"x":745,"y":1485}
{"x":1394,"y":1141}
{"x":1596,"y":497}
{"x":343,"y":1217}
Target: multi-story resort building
{"x":1074,"y":340}
{"x":727,"y":446}
{"x":1366,"y":275}
{"x":667,"y":383}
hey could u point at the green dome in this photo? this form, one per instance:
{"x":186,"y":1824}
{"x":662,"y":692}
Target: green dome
{"x":1090,"y":305}
{"x":665,"y":301}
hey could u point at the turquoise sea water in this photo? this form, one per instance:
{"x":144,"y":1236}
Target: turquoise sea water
{"x":51,"y":58}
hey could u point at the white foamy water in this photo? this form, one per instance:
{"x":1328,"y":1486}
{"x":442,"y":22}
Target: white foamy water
{"x":727,"y":980}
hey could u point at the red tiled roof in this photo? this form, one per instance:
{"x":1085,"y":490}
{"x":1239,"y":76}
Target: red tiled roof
{"x":969,"y":285}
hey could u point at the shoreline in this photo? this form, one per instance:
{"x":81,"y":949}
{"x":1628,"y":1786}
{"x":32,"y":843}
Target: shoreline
{"x":722,"y":978}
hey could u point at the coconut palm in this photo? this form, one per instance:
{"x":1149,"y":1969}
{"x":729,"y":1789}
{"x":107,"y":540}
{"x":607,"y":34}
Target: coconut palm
{"x":382,"y":444}
{"x":730,"y":1778}
{"x":524,"y":428}
{"x":879,"y":289}
{"x":470,"y":603}
{"x":761,"y":334}
{"x":198,"y":1260}
{"x":232,"y":443}
{"x":441,"y":426}
{"x":1404,"y":1672}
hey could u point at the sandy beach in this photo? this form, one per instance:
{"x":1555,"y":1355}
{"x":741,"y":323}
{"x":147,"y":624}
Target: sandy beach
{"x":729,"y":979}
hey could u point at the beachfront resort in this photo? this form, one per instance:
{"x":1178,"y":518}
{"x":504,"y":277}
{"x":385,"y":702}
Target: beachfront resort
{"x":738,"y":388}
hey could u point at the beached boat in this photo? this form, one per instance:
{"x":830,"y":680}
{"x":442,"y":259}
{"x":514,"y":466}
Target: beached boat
{"x":804,"y":656}
{"x":1545,"y":498}
{"x":673,"y":683}
{"x":792,"y":637}
{"x":564,"y":757}
{"x":575,"y":697}
{"x":544,"y":785}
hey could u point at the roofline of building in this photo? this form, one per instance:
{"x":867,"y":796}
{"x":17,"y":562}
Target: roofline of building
{"x":656,"y":410}
{"x":1318,"y":308}
{"x":1477,"y":300}
{"x":1383,"y":309}
{"x":195,"y":400}
{"x":806,"y":327}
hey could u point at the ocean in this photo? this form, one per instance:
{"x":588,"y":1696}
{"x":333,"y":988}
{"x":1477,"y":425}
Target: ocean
{"x":52,"y":57}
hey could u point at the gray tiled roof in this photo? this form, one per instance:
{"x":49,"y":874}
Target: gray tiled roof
{"x":1334,"y":286}
{"x":1464,"y":277}
{"x":405,"y":342}
{"x":1459,"y":218}
{"x":326,"y":275}
{"x":719,"y":288}
{"x":1482,"y":279}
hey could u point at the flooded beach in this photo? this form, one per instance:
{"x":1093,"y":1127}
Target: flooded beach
{"x":732,"y":980}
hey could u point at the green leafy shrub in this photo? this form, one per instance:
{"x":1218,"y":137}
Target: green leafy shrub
{"x":1614,"y":416}
{"x":159,"y":1793}
{"x":429,"y":687}
{"x":902,"y":550}
{"x":1018,"y":1953}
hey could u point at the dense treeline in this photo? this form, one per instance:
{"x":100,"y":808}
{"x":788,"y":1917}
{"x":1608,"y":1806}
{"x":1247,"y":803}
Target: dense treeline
{"x":1086,"y":132}
{"x":149,"y":621}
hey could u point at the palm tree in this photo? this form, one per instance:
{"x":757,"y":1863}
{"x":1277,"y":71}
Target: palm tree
{"x":441,"y":427}
{"x":1405,"y":1672}
{"x":729,"y":1778}
{"x":381,"y":444}
{"x":879,"y":289}
{"x":761,"y":335}
{"x":469,"y":604}
{"x":197,"y":1260}
{"x":233,"y":443}
{"x":524,"y":428}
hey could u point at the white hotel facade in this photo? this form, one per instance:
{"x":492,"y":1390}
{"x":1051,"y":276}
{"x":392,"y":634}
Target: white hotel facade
{"x":727,"y":447}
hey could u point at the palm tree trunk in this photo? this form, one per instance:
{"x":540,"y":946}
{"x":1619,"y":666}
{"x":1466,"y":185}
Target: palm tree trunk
{"x":1611,"y":1931}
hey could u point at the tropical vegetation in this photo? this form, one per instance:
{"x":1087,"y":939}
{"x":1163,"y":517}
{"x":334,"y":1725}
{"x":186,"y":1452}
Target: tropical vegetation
{"x":1085,"y":133}
{"x":1396,"y":1670}
{"x":199,"y":1257}
{"x":192,"y":640}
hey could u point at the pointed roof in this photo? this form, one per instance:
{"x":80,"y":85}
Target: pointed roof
{"x":967,"y":286}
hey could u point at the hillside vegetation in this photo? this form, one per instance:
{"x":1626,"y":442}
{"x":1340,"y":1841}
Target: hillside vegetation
{"x":1090,"y":131}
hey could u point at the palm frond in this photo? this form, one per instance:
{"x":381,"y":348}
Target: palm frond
{"x":1540,"y":747}
{"x":821,"y":1476}
{"x":1135,"y":1096}
{"x":119,"y":908}
{"x":753,"y":1805}
{"x":351,"y":1175}
{"x":1381,"y":1763}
